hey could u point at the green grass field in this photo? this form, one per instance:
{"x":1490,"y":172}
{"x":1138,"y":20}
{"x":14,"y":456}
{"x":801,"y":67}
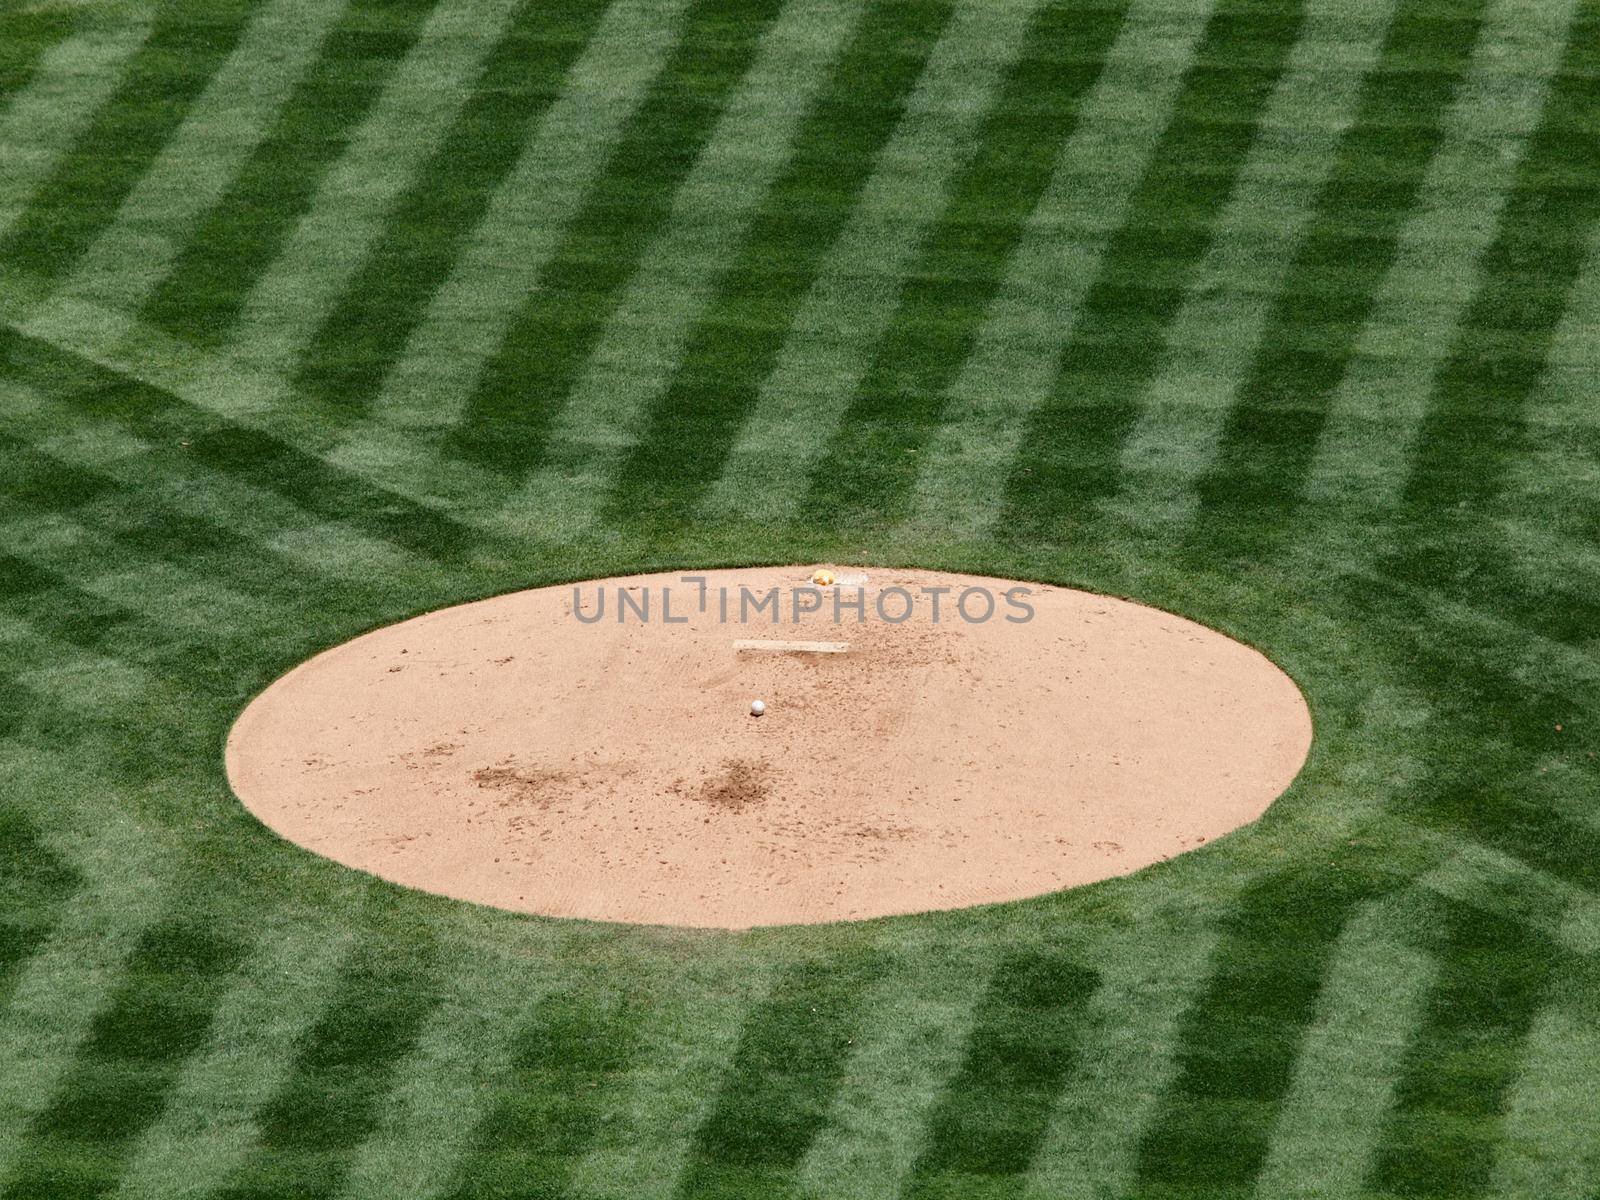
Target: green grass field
{"x":317,"y":314}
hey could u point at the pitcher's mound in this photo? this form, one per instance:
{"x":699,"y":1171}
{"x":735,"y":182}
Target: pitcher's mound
{"x":509,"y":753}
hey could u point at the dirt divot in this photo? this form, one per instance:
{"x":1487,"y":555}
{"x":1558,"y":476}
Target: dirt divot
{"x":613,"y":770}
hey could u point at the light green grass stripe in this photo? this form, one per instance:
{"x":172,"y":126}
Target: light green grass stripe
{"x":1580,"y":929}
{"x":1552,"y":1145}
{"x":41,"y":123}
{"x":687,"y":1042}
{"x":242,"y":394}
{"x":208,"y":1128}
{"x":118,"y":342}
{"x":506,"y":254}
{"x":633,"y":363}
{"x":847,"y":310}
{"x":222,"y":129}
{"x":1422,"y":301}
{"x":79,"y":679}
{"x":291,"y":300}
{"x":1478,"y":875}
{"x":1565,"y":396}
{"x":1214,"y":338}
{"x":1333,"y":1115}
{"x":440,"y":1096}
{"x":892,"y":1081}
{"x":1013,"y":363}
{"x":1127,"y":1061}
{"x":63,"y":987}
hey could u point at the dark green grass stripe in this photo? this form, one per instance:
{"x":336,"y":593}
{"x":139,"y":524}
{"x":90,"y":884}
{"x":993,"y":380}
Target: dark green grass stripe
{"x":26,"y":35}
{"x":785,"y":1073}
{"x":1502,"y":718}
{"x":34,"y":885}
{"x":691,"y":429}
{"x":135,"y":746}
{"x":549,"y":1115}
{"x":1476,"y":430}
{"x":1447,"y":546}
{"x":505,"y":422}
{"x":187,"y":43}
{"x":157,"y":1019}
{"x":1449,"y":1109}
{"x":343,"y":1070}
{"x":1239,"y":1042}
{"x":255,"y":458}
{"x":871,"y":465}
{"x":229,"y":250}
{"x":992,"y":1118}
{"x":135,"y":530}
{"x":1271,"y":434}
{"x":1070,"y":453}
{"x":57,"y":609}
{"x":356,"y":346}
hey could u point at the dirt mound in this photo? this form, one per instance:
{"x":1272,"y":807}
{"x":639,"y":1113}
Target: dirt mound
{"x":591,"y":752}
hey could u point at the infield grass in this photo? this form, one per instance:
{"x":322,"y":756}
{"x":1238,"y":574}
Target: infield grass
{"x":1280,"y":314}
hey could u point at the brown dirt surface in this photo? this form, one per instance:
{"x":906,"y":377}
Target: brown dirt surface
{"x":506,"y":753}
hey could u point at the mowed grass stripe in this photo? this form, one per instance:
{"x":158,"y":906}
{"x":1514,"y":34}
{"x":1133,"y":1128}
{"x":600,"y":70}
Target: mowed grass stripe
{"x":68,"y":981}
{"x":343,"y":1070}
{"x":507,"y":422}
{"x":635,"y":356}
{"x":135,"y":645}
{"x":1220,"y":330}
{"x":1560,"y":397}
{"x":218,"y":134}
{"x":1345,"y":1076}
{"x":1255,"y":485}
{"x":1495,"y":964}
{"x":25,"y":38}
{"x":870,"y":466}
{"x":229,"y":250}
{"x":1502,"y":692}
{"x":684,"y":1045}
{"x":1373,"y":414}
{"x":455,"y":1073}
{"x":963,"y":469}
{"x":157,"y":1019}
{"x":1551,"y":1147}
{"x":1248,"y":1027}
{"x":1543,"y":242}
{"x":427,"y":387}
{"x":845,"y":312}
{"x":186,"y":45}
{"x":913,"y":1042}
{"x":117,"y":577}
{"x":1127,"y":1058}
{"x":1480,"y":400}
{"x":367,"y":328}
{"x":34,"y":884}
{"x":783,"y":1080}
{"x":219,"y":389}
{"x":1494,"y":975}
{"x":207,"y":1129}
{"x":984,"y":1134}
{"x":565,"y":1064}
{"x":689,"y":429}
{"x":244,"y":451}
{"x":1069,"y":458}
{"x":165,"y":589}
{"x":356,"y":197}
{"x":43,"y":121}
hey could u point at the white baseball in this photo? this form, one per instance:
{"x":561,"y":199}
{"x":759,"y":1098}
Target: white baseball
{"x":757,"y":707}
